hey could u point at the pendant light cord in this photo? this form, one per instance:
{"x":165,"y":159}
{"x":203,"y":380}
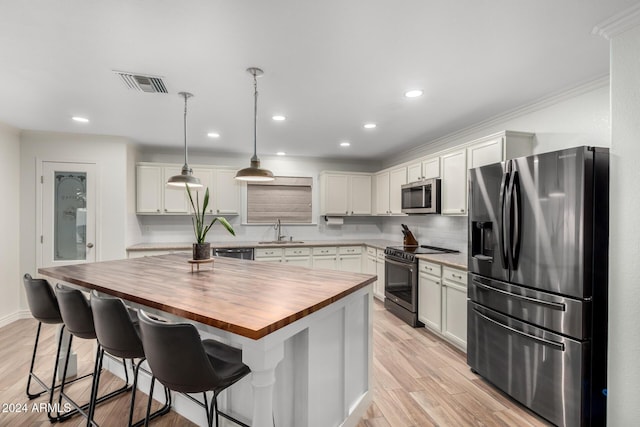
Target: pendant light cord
{"x":185,"y":131}
{"x":255,"y":116}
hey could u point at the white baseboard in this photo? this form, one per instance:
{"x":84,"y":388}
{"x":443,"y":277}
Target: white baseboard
{"x":10,"y":318}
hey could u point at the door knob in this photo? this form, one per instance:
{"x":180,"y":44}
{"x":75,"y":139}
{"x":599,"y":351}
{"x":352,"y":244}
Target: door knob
{"x":89,"y":245}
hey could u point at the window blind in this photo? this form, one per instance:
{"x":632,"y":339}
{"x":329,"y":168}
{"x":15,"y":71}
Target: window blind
{"x":285,"y":198}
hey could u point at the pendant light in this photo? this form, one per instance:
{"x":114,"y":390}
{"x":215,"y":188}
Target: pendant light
{"x":255,"y":172}
{"x":186,"y":177}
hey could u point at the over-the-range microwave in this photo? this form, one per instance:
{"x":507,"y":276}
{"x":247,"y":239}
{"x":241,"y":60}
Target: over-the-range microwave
{"x":421,"y":197}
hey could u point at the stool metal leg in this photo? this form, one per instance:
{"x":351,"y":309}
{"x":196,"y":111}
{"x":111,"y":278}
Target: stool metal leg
{"x":146,"y":418}
{"x":162,"y":411}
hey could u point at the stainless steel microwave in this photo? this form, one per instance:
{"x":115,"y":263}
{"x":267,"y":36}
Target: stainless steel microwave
{"x":421,"y":197}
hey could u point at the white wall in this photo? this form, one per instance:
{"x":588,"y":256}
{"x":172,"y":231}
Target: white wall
{"x":110,"y":156}
{"x":10,"y":277}
{"x":579,"y":116}
{"x":624,"y":249}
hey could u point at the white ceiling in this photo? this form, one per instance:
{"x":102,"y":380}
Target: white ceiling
{"x":330,"y":66}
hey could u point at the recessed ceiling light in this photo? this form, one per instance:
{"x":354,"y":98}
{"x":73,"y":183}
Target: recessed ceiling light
{"x":213,"y":135}
{"x":345,"y":144}
{"x":413,"y":93}
{"x":281,"y":153}
{"x":369,"y":125}
{"x":80,"y":119}
{"x":279,"y":118}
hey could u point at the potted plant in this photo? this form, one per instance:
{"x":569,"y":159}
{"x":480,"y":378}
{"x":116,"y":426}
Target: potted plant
{"x":202,"y":249}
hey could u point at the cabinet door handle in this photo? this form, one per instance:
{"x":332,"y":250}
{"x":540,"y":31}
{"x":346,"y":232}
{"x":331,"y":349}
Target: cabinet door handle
{"x":218,"y":210}
{"x":157,"y":210}
{"x":165,"y":209}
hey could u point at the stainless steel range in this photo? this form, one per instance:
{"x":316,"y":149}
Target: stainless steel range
{"x":401,"y":280}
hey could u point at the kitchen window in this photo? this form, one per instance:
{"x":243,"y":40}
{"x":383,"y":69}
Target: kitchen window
{"x":285,"y":198}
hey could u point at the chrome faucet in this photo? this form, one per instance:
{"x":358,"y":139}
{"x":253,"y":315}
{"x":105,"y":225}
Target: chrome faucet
{"x":278,"y":228}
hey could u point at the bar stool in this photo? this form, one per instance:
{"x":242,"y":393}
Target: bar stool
{"x":182,"y":362}
{"x":119,"y":336}
{"x":44,"y":308}
{"x":78,"y":319}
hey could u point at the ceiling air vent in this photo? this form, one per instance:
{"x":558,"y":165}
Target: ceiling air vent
{"x":142,"y":83}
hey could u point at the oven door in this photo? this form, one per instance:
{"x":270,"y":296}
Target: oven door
{"x":401,"y":283}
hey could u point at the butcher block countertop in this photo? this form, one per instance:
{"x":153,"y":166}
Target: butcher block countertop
{"x":247,"y":298}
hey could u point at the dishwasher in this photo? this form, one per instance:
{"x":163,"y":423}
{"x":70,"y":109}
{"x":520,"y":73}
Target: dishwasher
{"x":240,"y":253}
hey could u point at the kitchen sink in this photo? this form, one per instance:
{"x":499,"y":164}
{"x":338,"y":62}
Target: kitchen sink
{"x":279,"y":242}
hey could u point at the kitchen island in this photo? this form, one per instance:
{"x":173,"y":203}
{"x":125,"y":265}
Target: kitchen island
{"x":306,"y":334}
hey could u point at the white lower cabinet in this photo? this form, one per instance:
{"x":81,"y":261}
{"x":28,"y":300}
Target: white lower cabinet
{"x":343,"y":258}
{"x":442,"y":301}
{"x":298,"y":256}
{"x":350,"y":259}
{"x":268,"y":254}
{"x":380,"y":272}
{"x":371,"y":267}
{"x":454,"y":306}
{"x":325,"y":257}
{"x":430,"y":295}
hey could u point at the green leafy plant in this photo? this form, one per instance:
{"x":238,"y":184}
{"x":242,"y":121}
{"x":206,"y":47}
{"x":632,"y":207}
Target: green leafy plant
{"x":199,"y":227}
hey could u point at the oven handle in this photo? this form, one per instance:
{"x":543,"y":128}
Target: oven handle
{"x":401,"y":264}
{"x":559,"y":346}
{"x":554,"y":305}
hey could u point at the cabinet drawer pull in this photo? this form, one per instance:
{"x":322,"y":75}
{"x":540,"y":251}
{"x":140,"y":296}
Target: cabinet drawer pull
{"x":458,"y":276}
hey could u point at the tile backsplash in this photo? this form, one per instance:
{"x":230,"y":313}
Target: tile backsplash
{"x":436,"y":230}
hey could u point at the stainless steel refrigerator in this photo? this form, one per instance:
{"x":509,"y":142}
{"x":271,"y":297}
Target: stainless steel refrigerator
{"x":537,"y":302}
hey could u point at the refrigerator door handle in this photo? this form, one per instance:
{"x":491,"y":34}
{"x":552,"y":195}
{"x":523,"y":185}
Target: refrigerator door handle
{"x":516,"y":208}
{"x":503,"y":232}
{"x":557,"y":345}
{"x":553,"y":305}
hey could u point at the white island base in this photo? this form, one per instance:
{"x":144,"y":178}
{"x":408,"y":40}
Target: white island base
{"x":314,"y":372}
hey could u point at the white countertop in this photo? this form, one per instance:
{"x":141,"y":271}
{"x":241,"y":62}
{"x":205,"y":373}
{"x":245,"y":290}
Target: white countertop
{"x":457,"y":260}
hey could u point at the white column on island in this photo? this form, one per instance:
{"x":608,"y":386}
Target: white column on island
{"x":263,"y":362}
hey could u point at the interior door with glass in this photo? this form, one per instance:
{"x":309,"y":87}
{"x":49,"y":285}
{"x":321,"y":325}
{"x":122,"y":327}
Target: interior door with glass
{"x":68,"y":213}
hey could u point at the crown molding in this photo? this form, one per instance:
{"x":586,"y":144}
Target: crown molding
{"x":454,"y":138}
{"x":618,"y":23}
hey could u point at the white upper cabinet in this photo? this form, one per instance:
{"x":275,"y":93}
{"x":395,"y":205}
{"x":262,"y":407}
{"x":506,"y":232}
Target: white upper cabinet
{"x":345,"y":194}
{"x":152,"y":194}
{"x":397,"y":178}
{"x":154,"y":197}
{"x":206,"y":179}
{"x":425,"y":169}
{"x":414,"y":172}
{"x":360,"y":189}
{"x":499,"y":147}
{"x":431,"y":168}
{"x":454,"y":183}
{"x":226,"y":192}
{"x":176,"y":200}
{"x":388,"y":191}
{"x":148,"y":189}
{"x":382,"y":193}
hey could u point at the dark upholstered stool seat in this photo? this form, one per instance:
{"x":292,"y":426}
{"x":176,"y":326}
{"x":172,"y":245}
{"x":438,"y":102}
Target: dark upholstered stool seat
{"x":118,"y":331}
{"x":44,"y":307}
{"x":181,"y":361}
{"x":78,"y":318}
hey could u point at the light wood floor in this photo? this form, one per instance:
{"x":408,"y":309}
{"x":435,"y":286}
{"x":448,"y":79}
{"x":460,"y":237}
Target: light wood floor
{"x":418,"y":380}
